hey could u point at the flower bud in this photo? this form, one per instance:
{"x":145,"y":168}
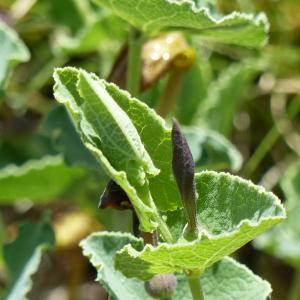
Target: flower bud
{"x":114,"y":197}
{"x":161,"y":285}
{"x":184,"y":173}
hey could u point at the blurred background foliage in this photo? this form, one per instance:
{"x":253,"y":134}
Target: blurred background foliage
{"x":239,"y":107}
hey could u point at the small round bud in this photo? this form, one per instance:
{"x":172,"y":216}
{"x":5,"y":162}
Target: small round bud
{"x":161,"y":285}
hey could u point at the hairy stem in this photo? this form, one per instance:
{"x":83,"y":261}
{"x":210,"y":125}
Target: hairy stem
{"x":195,"y":287}
{"x":134,"y":62}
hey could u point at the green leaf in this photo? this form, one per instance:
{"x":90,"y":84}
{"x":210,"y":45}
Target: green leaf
{"x":37,"y":180}
{"x":160,"y":15}
{"x":109,"y":134}
{"x":224,"y":96}
{"x":231,"y":212}
{"x":211,"y":150}
{"x":124,"y":145}
{"x":23,"y":256}
{"x":12,"y":52}
{"x":224,"y":280}
{"x":105,"y":32}
{"x":283,"y":241}
{"x":58,"y":127}
{"x":73,"y":14}
{"x":193,"y":90}
{"x":230,"y":280}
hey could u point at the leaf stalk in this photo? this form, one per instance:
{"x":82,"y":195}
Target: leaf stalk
{"x":195,"y":287}
{"x":134,"y":62}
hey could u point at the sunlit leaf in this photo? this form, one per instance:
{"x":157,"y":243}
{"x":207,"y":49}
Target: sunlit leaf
{"x":159,"y":15}
{"x":231,"y":212}
{"x":224,"y":280}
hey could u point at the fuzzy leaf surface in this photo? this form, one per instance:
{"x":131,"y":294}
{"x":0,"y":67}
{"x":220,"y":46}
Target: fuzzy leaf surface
{"x":32,"y":241}
{"x":109,"y":149}
{"x":37,"y":180}
{"x":283,"y":241}
{"x":225,"y":280}
{"x":160,"y":15}
{"x":12,"y":52}
{"x":231,"y":212}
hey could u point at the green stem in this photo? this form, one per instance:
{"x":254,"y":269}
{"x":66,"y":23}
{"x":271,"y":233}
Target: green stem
{"x":134,"y":62}
{"x":167,"y":100}
{"x":195,"y":287}
{"x":295,"y":289}
{"x":270,"y":139}
{"x":145,"y":194}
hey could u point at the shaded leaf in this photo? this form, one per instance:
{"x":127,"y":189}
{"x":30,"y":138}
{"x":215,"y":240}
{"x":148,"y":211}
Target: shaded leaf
{"x":283,"y":241}
{"x":58,"y":127}
{"x":224,"y":97}
{"x":193,"y":90}
{"x":32,"y":241}
{"x":211,"y":150}
{"x":37,"y":180}
{"x":98,"y":34}
{"x":12,"y":52}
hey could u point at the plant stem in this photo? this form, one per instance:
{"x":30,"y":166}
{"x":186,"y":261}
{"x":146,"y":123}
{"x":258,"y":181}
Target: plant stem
{"x":156,"y":217}
{"x":270,"y":138}
{"x":168,"y":98}
{"x":134,"y":62}
{"x":295,"y":288}
{"x":195,"y":287}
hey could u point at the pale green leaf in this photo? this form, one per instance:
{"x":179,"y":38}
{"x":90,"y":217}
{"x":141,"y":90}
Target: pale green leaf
{"x":109,"y":134}
{"x":163,"y":187}
{"x":231,"y":212}
{"x":193,"y":89}
{"x":23,"y":257}
{"x":211,"y":150}
{"x":160,"y":15}
{"x":225,"y":95}
{"x":226,"y":280}
{"x":106,"y":32}
{"x":12,"y":52}
{"x":37,"y":180}
{"x":125,"y":146}
{"x":283,"y":241}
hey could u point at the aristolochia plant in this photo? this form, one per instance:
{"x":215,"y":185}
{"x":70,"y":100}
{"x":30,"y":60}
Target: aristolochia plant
{"x":187,"y":223}
{"x":213,"y":215}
